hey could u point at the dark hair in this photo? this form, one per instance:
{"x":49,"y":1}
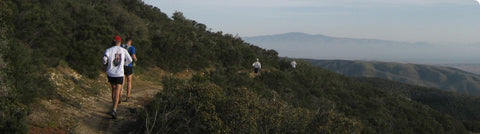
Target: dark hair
{"x":113,"y":43}
{"x":128,"y":39}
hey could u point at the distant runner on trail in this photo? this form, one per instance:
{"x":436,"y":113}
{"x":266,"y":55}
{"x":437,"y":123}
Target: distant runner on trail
{"x":129,"y":68}
{"x":294,"y":64}
{"x":114,"y":59}
{"x":257,"y":66}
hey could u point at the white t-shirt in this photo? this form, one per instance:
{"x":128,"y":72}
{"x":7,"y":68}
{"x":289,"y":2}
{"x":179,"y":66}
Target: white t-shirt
{"x":116,"y":57}
{"x":294,"y":64}
{"x":257,"y":65}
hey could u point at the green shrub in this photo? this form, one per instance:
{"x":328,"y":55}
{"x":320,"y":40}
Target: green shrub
{"x":198,"y":106}
{"x":12,"y":116}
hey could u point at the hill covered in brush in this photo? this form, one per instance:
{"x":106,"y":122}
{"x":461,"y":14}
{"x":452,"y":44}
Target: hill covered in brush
{"x":462,"y":107}
{"x":222,"y":97}
{"x":445,"y":78}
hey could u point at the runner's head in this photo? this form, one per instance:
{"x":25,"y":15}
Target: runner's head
{"x":257,"y":59}
{"x":129,"y":40}
{"x":117,"y":40}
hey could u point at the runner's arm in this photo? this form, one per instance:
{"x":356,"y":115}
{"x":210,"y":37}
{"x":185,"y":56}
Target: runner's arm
{"x":134,"y":57}
{"x":105,"y":58}
{"x":134,"y":54}
{"x":105,"y":61}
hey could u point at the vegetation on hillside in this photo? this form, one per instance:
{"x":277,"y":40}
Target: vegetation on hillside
{"x":422,"y":75}
{"x":20,"y":77}
{"x":198,"y":106}
{"x":328,"y":98}
{"x":463,"y":107}
{"x":37,"y":35}
{"x":42,"y":34}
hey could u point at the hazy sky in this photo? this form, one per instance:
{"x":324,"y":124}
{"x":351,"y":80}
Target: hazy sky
{"x":436,"y":21}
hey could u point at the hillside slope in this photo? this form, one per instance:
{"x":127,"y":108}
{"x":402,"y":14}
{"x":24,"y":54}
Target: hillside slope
{"x":462,"y":107}
{"x":305,"y":100}
{"x":446,"y":78}
{"x":82,"y":103}
{"x":222,"y":95}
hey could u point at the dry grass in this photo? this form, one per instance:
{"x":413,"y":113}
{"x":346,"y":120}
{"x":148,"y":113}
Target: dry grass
{"x":79,"y":99}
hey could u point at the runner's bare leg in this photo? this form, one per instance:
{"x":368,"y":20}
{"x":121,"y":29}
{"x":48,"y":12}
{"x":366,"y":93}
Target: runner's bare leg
{"x":129,"y":84}
{"x":117,"y":94}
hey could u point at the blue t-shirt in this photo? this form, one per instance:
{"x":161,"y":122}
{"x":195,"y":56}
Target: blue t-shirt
{"x":131,"y":51}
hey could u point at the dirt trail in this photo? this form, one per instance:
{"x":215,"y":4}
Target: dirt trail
{"x":93,"y":117}
{"x":76,"y":110}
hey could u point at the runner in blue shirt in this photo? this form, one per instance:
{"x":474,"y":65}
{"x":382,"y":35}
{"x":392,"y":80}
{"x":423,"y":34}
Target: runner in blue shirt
{"x":129,"y":68}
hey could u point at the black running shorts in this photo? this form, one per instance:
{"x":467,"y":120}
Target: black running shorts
{"x":128,"y":70}
{"x":115,"y":80}
{"x":256,"y":70}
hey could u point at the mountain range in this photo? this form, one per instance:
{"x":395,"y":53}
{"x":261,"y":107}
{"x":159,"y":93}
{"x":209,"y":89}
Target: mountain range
{"x":302,"y":45}
{"x":445,"y":78}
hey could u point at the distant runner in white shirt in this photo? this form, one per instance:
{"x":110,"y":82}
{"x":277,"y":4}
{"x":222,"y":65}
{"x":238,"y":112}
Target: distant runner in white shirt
{"x":115,"y":58}
{"x":257,"y":66}
{"x":294,"y":64}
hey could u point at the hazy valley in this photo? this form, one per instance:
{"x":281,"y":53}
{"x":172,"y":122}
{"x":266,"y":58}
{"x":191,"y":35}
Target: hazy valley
{"x":447,"y":78}
{"x":301,"y":45}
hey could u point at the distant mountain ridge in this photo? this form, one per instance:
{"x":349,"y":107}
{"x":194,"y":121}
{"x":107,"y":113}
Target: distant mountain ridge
{"x":423,"y":75}
{"x":473,"y":68}
{"x":319,"y":37}
{"x":302,"y":45}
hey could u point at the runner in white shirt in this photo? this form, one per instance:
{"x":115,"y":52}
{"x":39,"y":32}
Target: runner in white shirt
{"x":114,"y":59}
{"x":257,"y":66}
{"x":294,"y":64}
